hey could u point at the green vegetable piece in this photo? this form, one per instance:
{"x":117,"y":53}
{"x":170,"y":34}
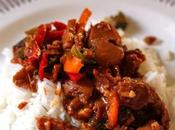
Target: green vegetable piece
{"x":120,"y":21}
{"x":77,"y":53}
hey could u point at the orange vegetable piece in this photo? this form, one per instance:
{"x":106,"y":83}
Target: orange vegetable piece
{"x":113,"y":109}
{"x":84,"y":16}
{"x":72,"y":64}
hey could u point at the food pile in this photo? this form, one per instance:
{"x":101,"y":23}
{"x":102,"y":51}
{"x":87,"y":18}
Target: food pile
{"x":100,"y":82}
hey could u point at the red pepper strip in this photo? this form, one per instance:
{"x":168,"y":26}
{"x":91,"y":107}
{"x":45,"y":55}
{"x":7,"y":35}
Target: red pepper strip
{"x":84,"y":16}
{"x":59,"y":25}
{"x":74,"y":76}
{"x":48,"y":27}
{"x":40,"y":34}
{"x":113,"y":109}
{"x":43,"y":64}
{"x":54,"y":35}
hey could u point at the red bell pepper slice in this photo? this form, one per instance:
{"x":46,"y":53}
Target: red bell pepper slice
{"x":74,"y":76}
{"x":42,"y":65}
{"x":48,"y":27}
{"x":54,"y":35}
{"x":57,"y":33}
{"x":40,"y":34}
{"x":59,"y":25}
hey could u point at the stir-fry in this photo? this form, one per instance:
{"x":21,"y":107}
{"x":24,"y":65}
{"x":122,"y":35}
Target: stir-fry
{"x":101,"y":85}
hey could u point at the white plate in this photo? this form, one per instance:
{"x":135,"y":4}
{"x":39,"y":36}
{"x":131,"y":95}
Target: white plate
{"x":148,"y":17}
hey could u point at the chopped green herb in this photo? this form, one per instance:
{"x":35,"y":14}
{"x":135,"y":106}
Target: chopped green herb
{"x":77,"y":53}
{"x":120,"y":21}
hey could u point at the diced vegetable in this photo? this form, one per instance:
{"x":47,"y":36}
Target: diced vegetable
{"x":43,"y":64}
{"x":74,"y":76}
{"x":77,"y":53}
{"x":59,"y":25}
{"x":121,"y":21}
{"x":40,"y":34}
{"x":84,"y":16}
{"x":54,"y":35}
{"x":72,"y":64}
{"x":113,"y":109}
{"x":57,"y":33}
{"x":48,"y":27}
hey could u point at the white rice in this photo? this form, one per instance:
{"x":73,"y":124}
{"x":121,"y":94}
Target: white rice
{"x":49,"y":104}
{"x":44,"y":102}
{"x":155,"y":75}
